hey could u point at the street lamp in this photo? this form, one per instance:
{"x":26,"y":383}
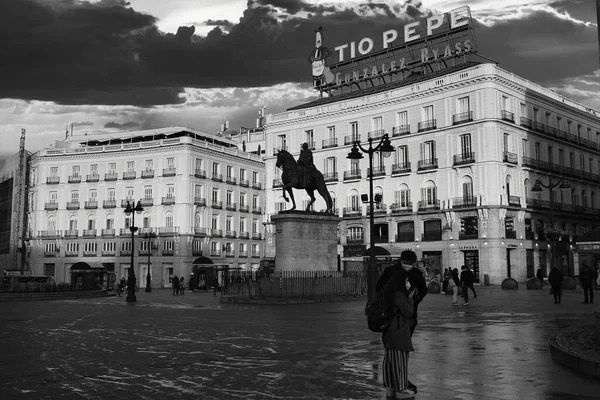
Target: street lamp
{"x":355,"y":155}
{"x":149,"y":236}
{"x":553,"y":235}
{"x":129,"y":210}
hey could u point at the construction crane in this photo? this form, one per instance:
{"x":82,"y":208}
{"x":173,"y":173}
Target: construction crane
{"x":19,"y":225}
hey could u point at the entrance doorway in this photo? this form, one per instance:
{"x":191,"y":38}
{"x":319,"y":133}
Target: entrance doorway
{"x":471,"y":260}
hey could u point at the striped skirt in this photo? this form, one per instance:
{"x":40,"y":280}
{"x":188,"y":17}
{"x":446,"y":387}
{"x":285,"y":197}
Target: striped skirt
{"x":395,"y":369}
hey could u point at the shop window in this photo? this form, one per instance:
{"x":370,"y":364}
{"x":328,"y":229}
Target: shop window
{"x":432,"y":230}
{"x":468,"y":228}
{"x":406,"y":231}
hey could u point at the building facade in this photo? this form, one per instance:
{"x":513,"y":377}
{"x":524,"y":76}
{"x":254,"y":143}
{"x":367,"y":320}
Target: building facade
{"x":203,"y":200}
{"x":471,"y":141}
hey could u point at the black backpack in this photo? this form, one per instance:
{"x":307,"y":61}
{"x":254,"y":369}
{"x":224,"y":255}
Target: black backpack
{"x":378,"y":313}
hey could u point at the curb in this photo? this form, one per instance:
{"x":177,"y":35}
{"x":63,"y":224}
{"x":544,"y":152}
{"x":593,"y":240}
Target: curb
{"x":577,"y":348}
{"x":277,"y":301}
{"x":8,"y":297}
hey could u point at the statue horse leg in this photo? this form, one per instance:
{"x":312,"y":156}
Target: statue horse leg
{"x":322,"y":189}
{"x":312,"y":198}
{"x":289,"y":190}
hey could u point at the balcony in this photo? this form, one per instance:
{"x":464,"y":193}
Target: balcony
{"x":71,"y":233}
{"x":377,"y":171}
{"x":217,"y":177}
{"x":52,"y":180}
{"x":378,"y":210}
{"x":128,"y":175}
{"x":355,"y":239}
{"x":231,"y":234}
{"x":462,"y":118}
{"x":257,"y":185}
{"x":200,"y":173}
{"x":330,"y":176}
{"x":401,"y":208}
{"x":92,"y":178}
{"x":537,"y":204}
{"x":144,"y":231}
{"x":109,"y":203}
{"x":125,"y":252}
{"x":217,"y":233}
{"x":199,"y":201}
{"x":149,"y":173}
{"x":231,"y":206}
{"x":107,"y":232}
{"x":428,"y":205}
{"x":329,"y":143}
{"x":111,"y":176}
{"x":510,"y":158}
{"x":351,"y":139}
{"x":71,"y":253}
{"x":429,"y":125}
{"x":311,"y":145}
{"x":255,"y":254}
{"x":256,"y":210}
{"x":108,"y":253}
{"x":50,"y":234}
{"x":89,"y":233}
{"x":514,"y":201}
{"x":72,"y":205}
{"x":256,"y":236}
{"x":200,"y":231}
{"x":147,"y":202}
{"x":352,"y":212}
{"x":550,"y":130}
{"x":90,"y":253}
{"x":508,"y":116}
{"x":244,"y":182}
{"x":167,"y":252}
{"x":231,"y":180}
{"x":400,"y":130}
{"x":244,"y":235}
{"x":51,"y":206}
{"x":405,"y":237}
{"x":539,"y":127}
{"x":526,"y":122}
{"x":127,"y":199}
{"x":90,"y":205}
{"x":464,"y":158}
{"x":378,"y":134}
{"x":215,"y":252}
{"x":169,"y":171}
{"x":464,"y":202}
{"x":196,"y":252}
{"x":425,"y":165}
{"x":216,"y":204}
{"x":278,"y":149}
{"x":51,"y":253}
{"x":401,"y":168}
{"x":352,"y":174}
{"x":74,"y":179}
{"x":230,"y":254}
{"x":168,"y":200}
{"x":168,"y":230}
{"x":243,"y":253}
{"x":124,"y":232}
{"x":244,"y":208}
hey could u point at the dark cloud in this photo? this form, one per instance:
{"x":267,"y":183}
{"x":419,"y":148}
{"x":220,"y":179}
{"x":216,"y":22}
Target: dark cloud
{"x":126,"y":125}
{"x":222,"y":23}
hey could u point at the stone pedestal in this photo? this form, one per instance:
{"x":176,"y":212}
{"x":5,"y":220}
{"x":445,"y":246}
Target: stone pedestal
{"x":305,"y":241}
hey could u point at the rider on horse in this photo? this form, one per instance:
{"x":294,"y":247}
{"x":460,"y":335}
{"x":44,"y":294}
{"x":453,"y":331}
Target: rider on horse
{"x":305,"y":159}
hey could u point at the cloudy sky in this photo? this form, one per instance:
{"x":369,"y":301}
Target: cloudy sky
{"x":123,"y":65}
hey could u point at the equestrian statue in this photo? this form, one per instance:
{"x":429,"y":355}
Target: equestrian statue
{"x":302,"y":175}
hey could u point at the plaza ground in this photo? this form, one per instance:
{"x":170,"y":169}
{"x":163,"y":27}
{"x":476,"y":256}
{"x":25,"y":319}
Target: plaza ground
{"x":191,"y":347}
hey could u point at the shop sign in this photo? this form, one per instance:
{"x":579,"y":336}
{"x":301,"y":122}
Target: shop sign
{"x":468,"y":247}
{"x":512,"y":246}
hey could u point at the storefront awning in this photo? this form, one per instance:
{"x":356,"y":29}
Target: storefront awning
{"x":84,"y":266}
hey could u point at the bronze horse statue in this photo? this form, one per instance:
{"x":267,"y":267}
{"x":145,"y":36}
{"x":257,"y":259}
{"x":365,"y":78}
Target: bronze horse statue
{"x":292,"y":178}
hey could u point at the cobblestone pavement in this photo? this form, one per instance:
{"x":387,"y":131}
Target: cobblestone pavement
{"x":190,"y":347}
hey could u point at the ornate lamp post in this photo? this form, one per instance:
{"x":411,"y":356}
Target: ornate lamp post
{"x":553,"y":234}
{"x":129,"y":210}
{"x":355,"y":155}
{"x":149,"y":236}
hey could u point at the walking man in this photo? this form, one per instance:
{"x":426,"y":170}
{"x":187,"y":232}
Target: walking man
{"x":472,"y":281}
{"x":466,"y":281}
{"x":416,"y":280}
{"x":540,"y":275}
{"x":586,"y":278}
{"x":555,"y":279}
{"x":175,"y":285}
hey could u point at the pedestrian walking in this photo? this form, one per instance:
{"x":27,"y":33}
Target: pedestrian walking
{"x":466,"y":280}
{"x":408,"y":258}
{"x":181,"y":285}
{"x":472,"y":282}
{"x":397,"y":341}
{"x":175,"y":285}
{"x":540,"y":275}
{"x":215,"y":286}
{"x":586,"y":278}
{"x":453,"y":284}
{"x":190,"y":285}
{"x":555,"y":279}
{"x":446,"y":281}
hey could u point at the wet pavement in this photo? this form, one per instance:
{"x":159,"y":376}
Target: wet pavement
{"x":191,"y":347}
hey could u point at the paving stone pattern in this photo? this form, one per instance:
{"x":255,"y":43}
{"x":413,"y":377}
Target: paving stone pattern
{"x":190,"y":347}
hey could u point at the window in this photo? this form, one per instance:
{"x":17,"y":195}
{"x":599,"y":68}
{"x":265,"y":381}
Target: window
{"x":561,"y":157}
{"x":243,"y":174}
{"x":168,"y":246}
{"x":198,"y":220}
{"x":129,"y":193}
{"x":53,"y":172}
{"x":377,"y":124}
{"x":215,"y":222}
{"x":281,"y":142}
{"x":109,"y":247}
{"x":402,"y":118}
{"x":255,"y":249}
{"x":468,"y":228}
{"x":74,"y":196}
{"x":427,"y":113}
{"x":90,"y":247}
{"x":581,"y":162}
{"x":432,"y":230}
{"x":506,"y":143}
{"x":91,"y":223}
{"x":255,"y":201}
{"x":331,"y":132}
{"x":242,"y":199}
{"x":524,"y":145}
{"x":428,"y":151}
{"x":569,"y":124}
{"x":402,"y":196}
{"x":53,"y":197}
{"x":381,"y":233}
{"x":149,"y":165}
{"x":572,"y":160}
{"x":75,"y":170}
{"x":547,"y":119}
{"x":354,"y":233}
{"x":467,"y":188}
{"x":215,"y":195}
{"x":354,"y":201}
{"x":523,"y":110}
{"x":49,"y":269}
{"x":229,"y":197}
{"x":146,"y":220}
{"x":229,"y":223}
{"x":112,"y":167}
{"x":462,"y":105}
{"x":242,"y":224}
{"x":591,"y":161}
{"x":402,"y":155}
{"x":429,"y":194}
{"x":51,"y":248}
{"x":148,"y":193}
{"x":551,"y":154}
{"x":110,"y":222}
{"x":505,"y":104}
{"x":255,"y":226}
{"x":229,"y":171}
{"x":126,"y":247}
{"x":170,"y":162}
{"x":198,"y":164}
{"x":330,"y":165}
{"x":215,"y":169}
{"x":169,"y":220}
{"x":406,"y":231}
{"x":130,"y":166}
{"x":72,"y":247}
{"x":110,"y":194}
{"x":558,"y":122}
{"x":93,"y":195}
{"x":198,"y":191}
{"x":536,"y":115}
{"x":73,"y":223}
{"x":255,"y":177}
{"x":309,"y":137}
{"x":170,"y":191}
{"x":538,"y":151}
{"x":354,"y":131}
{"x":465,"y":145}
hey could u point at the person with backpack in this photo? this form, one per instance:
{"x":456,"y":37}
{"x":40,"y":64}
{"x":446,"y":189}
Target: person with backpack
{"x":397,"y":338}
{"x":466,"y":281}
{"x":446,"y":281}
{"x":586,"y":278}
{"x":453,"y":284}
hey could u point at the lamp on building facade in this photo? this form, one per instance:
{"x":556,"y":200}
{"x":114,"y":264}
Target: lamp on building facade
{"x":149,"y":236}
{"x":553,"y":234}
{"x":129,"y":210}
{"x":356,"y":154}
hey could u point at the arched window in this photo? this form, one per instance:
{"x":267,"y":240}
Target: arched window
{"x":198,"y":220}
{"x":169,"y":219}
{"x":146,"y":220}
{"x":333,"y":201}
{"x":354,"y":200}
{"x":402,"y":197}
{"x":378,"y":198}
{"x":526,"y":188}
{"x":467,"y":188}
{"x":73,"y":223}
{"x":91,"y":223}
{"x":51,"y":224}
{"x":583,"y":198}
{"x":110,"y":221}
{"x":429,"y":193}
{"x":508,"y":180}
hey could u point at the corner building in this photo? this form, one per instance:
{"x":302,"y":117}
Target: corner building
{"x":203,"y":198}
{"x":471,"y":140}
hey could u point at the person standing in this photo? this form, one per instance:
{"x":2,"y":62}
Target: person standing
{"x":472,"y":281}
{"x":397,"y":338}
{"x":453,"y":284}
{"x":181,"y":289}
{"x":215,"y":285}
{"x":466,"y":280}
{"x":555,"y":279}
{"x":540,"y":275}
{"x":586,"y":278}
{"x":175,"y":285}
{"x":446,"y":280}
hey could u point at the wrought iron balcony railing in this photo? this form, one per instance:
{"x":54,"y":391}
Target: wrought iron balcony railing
{"x":508,"y":116}
{"x":352,"y":174}
{"x":328,"y":143}
{"x":462,"y":118}
{"x":464,"y":158}
{"x":429,"y":125}
{"x":400,"y":130}
{"x":424,"y":165}
{"x":169,"y":171}
{"x":74,"y":179}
